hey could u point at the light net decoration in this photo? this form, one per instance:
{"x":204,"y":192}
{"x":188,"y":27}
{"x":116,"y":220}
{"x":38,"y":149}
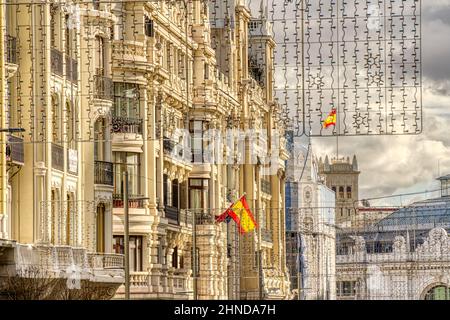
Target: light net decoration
{"x":361,"y":58}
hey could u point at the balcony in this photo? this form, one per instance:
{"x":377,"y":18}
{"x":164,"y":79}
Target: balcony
{"x":56,"y":62}
{"x":106,"y":261}
{"x":170,"y":146}
{"x":127,"y":125}
{"x":266,"y":235}
{"x":11,"y":49}
{"x":172,"y":213}
{"x":134,"y":201}
{"x":15,"y":150}
{"x":104,"y":173}
{"x":185,"y":217}
{"x":71,"y":69}
{"x":265,"y":186}
{"x":44,"y":267}
{"x":103,"y":87}
{"x":57,"y":157}
{"x":204,"y":218}
{"x":129,"y":55}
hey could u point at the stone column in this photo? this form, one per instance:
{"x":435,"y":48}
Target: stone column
{"x":42,"y":214}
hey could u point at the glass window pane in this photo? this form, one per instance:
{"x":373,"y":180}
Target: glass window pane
{"x":195,"y":199}
{"x":195,"y":182}
{"x":198,"y":126}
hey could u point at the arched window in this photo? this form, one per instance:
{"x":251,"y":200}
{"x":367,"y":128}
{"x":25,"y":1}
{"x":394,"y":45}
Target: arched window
{"x":341,"y":192}
{"x":100,"y":56}
{"x":70,"y":116}
{"x":438,"y":293}
{"x":349,"y":192}
{"x":56,"y":126}
{"x":68,"y":38}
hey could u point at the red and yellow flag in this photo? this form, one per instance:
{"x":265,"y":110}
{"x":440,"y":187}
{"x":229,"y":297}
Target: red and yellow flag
{"x":241,"y":214}
{"x":330,"y":120}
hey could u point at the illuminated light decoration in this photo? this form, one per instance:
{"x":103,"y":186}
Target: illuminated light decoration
{"x":363,"y":57}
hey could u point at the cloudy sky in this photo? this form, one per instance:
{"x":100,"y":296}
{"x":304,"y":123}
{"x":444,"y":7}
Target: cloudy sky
{"x":403,"y":164}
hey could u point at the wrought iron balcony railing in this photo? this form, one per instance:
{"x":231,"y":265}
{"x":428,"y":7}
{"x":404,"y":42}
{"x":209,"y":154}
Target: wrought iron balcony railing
{"x":11,"y":49}
{"x":265,"y":186}
{"x":134,"y":201}
{"x":170,"y":145}
{"x":172,"y":213}
{"x":203,"y":218}
{"x":126,"y":125}
{"x":57,"y":62}
{"x":104,"y":173}
{"x":57,"y":157}
{"x":103,"y":87}
{"x":15,"y":150}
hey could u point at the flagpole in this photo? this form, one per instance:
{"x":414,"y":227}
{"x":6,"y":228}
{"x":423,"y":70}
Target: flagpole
{"x":337,"y":147}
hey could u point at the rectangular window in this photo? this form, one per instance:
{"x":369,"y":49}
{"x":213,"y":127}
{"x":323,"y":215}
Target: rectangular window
{"x":135,"y":250}
{"x":166,"y":189}
{"x":347,"y":288}
{"x":131,"y":162}
{"x":149,"y":28}
{"x":175,"y":258}
{"x":126,"y":100}
{"x":199,"y":143}
{"x":198,"y":194}
{"x":168,"y":56}
{"x":206,"y":71}
{"x":175,"y":194}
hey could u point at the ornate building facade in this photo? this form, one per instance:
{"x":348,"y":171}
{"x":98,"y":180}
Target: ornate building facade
{"x":202,"y":89}
{"x":404,"y":256}
{"x":152,"y":89}
{"x":55,"y":216}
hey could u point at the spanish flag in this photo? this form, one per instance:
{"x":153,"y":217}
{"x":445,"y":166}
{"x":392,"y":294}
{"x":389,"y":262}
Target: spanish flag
{"x":330,"y":120}
{"x":241,"y":214}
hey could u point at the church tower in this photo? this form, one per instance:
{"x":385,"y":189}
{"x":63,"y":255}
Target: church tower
{"x":342,"y":176}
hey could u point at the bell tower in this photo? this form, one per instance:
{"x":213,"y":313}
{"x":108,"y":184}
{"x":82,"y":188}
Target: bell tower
{"x":342,"y":176}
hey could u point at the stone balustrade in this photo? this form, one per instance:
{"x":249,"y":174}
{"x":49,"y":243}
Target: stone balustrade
{"x":129,"y":50}
{"x":162,"y":282}
{"x":60,"y":258}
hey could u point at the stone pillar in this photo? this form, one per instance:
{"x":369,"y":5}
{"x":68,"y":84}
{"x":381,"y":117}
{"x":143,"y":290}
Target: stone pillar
{"x":42,"y":215}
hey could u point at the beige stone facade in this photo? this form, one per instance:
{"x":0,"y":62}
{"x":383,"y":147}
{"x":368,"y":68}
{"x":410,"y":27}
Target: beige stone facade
{"x":147,"y":87}
{"x":56,"y":213}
